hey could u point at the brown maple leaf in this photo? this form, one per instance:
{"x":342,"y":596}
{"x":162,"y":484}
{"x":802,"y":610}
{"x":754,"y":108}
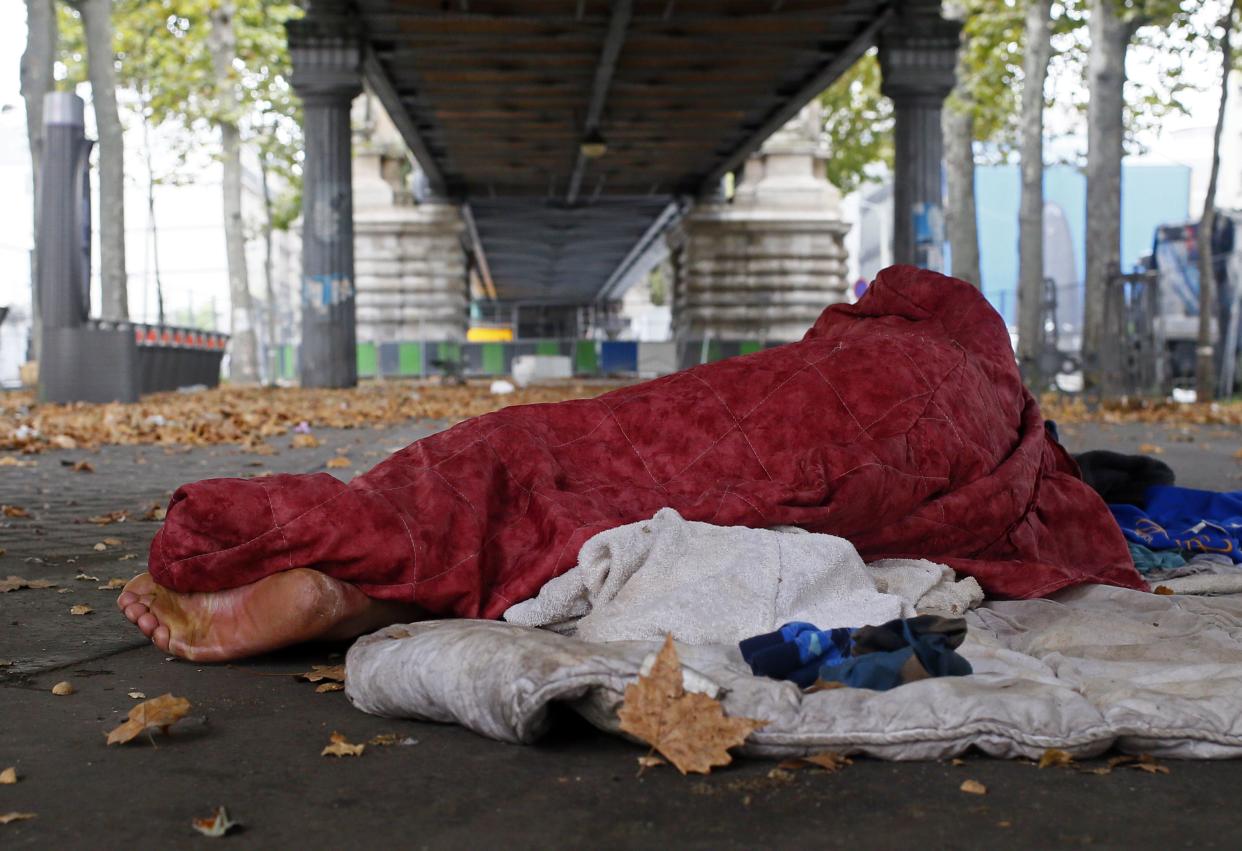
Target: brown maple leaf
{"x":161,"y":712}
{"x":318,"y":673}
{"x":828,"y":760}
{"x":1055,"y":758}
{"x":14,"y":511}
{"x":16,"y":583}
{"x":337,"y":746}
{"x":688,"y":728}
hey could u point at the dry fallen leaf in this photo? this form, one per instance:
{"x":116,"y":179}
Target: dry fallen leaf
{"x":109,"y":518}
{"x":161,"y":712}
{"x":973,"y":787}
{"x":6,"y":818}
{"x":13,"y":461}
{"x":1150,"y":449}
{"x":326,"y":687}
{"x":317,"y":673}
{"x":1055,"y":758}
{"x":1163,"y":591}
{"x":86,"y":577}
{"x":113,"y":542}
{"x":80,"y":609}
{"x":339,"y":747}
{"x":100,"y":547}
{"x":155,"y":512}
{"x":16,"y":583}
{"x":63,"y":688}
{"x":14,"y":511}
{"x":8,"y":777}
{"x":688,"y":728}
{"x":649,"y":760}
{"x":828,"y":760}
{"x":113,"y":584}
{"x":128,"y":556}
{"x":215,"y":825}
{"x":83,"y":467}
{"x":339,"y":461}
{"x":304,"y":441}
{"x":136,"y":695}
{"x":64,"y":441}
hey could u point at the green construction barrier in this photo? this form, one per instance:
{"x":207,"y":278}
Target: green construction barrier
{"x":749,"y":347}
{"x":410,"y":359}
{"x":548,"y":347}
{"x":368,"y":360}
{"x":448,"y":351}
{"x":494,"y":358}
{"x":586,"y":359}
{"x":713,"y":351}
{"x":289,"y":362}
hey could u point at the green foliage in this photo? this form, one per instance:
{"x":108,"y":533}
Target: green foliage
{"x":858,"y":125}
{"x":163,"y":60}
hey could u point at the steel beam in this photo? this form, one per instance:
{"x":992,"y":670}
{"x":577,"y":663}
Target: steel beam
{"x":618,"y":25}
{"x":375,"y":75}
{"x":480,"y":255}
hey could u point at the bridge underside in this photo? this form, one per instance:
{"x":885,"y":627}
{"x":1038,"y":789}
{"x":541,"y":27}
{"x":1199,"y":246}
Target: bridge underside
{"x":501,"y":102}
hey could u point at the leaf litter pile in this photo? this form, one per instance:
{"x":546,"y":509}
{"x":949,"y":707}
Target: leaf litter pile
{"x":1115,"y":412}
{"x":246,"y":415}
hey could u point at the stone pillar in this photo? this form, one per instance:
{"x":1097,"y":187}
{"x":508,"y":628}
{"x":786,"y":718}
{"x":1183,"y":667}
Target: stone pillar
{"x":918,"y":52}
{"x":766,"y":264}
{"x":410,"y":263}
{"x":326,"y":56}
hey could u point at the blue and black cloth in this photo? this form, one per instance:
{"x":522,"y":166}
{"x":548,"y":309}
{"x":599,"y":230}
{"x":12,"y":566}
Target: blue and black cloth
{"x":1186,"y":520}
{"x":871,"y":657}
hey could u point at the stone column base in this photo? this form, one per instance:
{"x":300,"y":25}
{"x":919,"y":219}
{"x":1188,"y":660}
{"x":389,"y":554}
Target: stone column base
{"x":411,"y":273}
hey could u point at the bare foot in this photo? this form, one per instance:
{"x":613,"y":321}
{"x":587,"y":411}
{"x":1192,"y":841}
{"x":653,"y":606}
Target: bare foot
{"x":277,"y":611}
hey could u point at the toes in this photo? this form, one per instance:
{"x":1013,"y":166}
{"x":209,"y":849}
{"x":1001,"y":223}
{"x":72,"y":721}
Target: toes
{"x":134,"y":611}
{"x":126,"y":598}
{"x":161,"y":637}
{"x":148,"y":623}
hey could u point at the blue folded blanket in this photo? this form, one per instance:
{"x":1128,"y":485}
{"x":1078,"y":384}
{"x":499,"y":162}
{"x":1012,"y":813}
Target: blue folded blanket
{"x":1185,"y":519}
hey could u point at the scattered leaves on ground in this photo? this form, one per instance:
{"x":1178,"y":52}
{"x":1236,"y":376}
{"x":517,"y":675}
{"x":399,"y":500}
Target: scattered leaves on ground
{"x":215,"y":825}
{"x":827,"y":760}
{"x":63,"y":688}
{"x":1055,"y":758}
{"x":973,"y":787}
{"x":319,"y":673}
{"x":16,"y":583}
{"x":1065,"y":411}
{"x":384,"y":740}
{"x":80,"y":609}
{"x":109,"y":518}
{"x":8,"y":777}
{"x":1150,"y":449}
{"x":337,"y":746}
{"x":339,"y":461}
{"x":14,"y":461}
{"x":8,"y":818}
{"x":304,"y":441}
{"x":161,"y":712}
{"x":687,"y":728}
{"x":1141,"y":762}
{"x":14,"y":511}
{"x":245,"y":415}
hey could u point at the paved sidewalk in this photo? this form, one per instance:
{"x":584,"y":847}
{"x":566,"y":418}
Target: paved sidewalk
{"x":253,"y":738}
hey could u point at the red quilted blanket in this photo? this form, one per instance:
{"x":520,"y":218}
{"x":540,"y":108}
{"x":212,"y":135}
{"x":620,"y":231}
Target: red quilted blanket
{"x":899,"y":423}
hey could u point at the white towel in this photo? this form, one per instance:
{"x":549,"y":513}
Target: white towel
{"x":708,"y":584}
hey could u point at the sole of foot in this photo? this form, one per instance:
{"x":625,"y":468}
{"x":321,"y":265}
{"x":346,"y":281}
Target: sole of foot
{"x":277,"y":611}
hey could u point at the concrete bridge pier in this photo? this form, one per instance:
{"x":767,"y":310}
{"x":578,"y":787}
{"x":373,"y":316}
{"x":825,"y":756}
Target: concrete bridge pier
{"x":764,"y":264}
{"x":327,"y":58}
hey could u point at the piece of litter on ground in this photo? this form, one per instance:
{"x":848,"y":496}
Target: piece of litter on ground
{"x":100,"y":547}
{"x":63,"y":688}
{"x":86,"y":577}
{"x":7,"y":818}
{"x":8,"y":777}
{"x":973,"y":787}
{"x":136,"y":695}
{"x":337,"y":746}
{"x":215,"y":825}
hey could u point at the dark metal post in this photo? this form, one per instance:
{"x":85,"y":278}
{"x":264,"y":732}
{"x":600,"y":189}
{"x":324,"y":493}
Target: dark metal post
{"x":918,"y":52}
{"x":327,"y":59}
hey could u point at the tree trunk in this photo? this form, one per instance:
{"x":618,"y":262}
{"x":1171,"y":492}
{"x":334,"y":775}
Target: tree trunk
{"x":97,"y":23}
{"x":1205,"y":364}
{"x":957,"y":128}
{"x":243,"y":349}
{"x":272,"y":306}
{"x":1031,"y":319}
{"x":151,"y":220}
{"x":1106,"y":73}
{"x":36,"y":81}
